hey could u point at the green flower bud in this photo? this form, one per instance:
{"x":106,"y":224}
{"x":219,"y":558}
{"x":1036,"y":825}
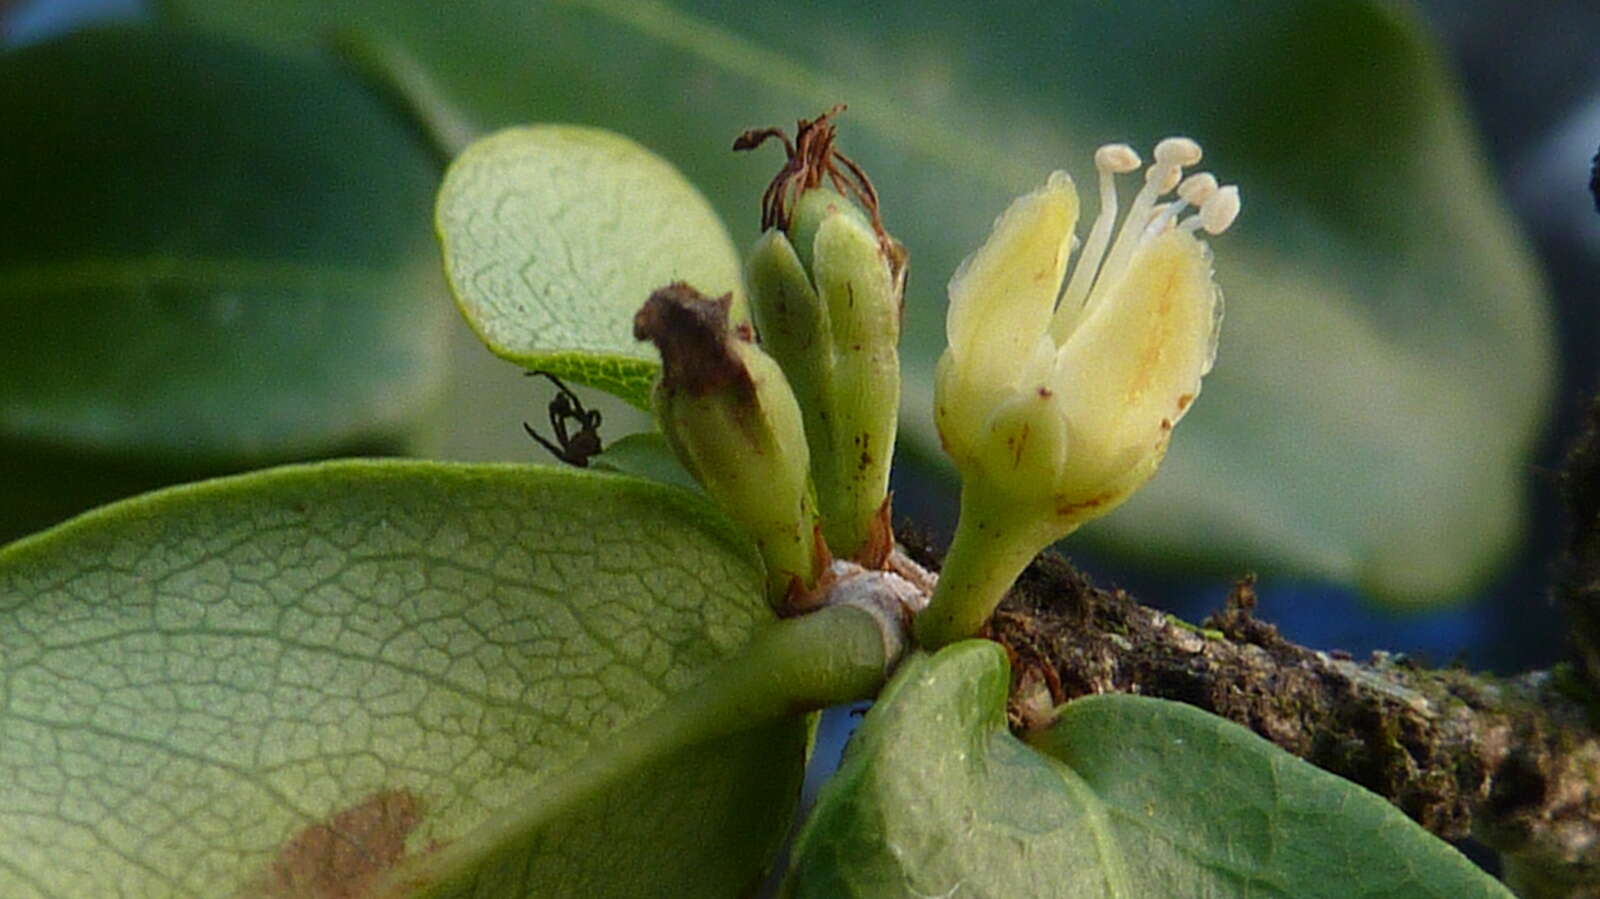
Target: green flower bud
{"x":826,"y":285}
{"x":1056,"y":405}
{"x":733,"y":422}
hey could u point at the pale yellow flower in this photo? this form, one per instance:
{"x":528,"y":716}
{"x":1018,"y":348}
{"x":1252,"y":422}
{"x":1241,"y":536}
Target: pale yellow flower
{"x":1056,"y":405}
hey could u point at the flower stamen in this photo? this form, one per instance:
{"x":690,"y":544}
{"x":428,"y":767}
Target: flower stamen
{"x":1110,"y":160}
{"x":1192,"y":192}
{"x":1160,"y":178}
{"x":1219,"y":210}
{"x":1097,"y":271}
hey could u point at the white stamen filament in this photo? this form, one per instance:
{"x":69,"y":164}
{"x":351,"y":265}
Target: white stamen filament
{"x":1161,"y":219}
{"x":1160,"y":178}
{"x":1193,"y":191}
{"x":1110,"y":160}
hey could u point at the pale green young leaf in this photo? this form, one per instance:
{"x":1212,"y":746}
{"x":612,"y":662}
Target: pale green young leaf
{"x":555,"y":235}
{"x":645,"y":455}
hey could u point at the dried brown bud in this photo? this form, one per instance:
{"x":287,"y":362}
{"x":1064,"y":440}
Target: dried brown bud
{"x":691,"y":331}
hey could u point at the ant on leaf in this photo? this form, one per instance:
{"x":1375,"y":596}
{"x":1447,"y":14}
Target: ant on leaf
{"x":575,"y":448}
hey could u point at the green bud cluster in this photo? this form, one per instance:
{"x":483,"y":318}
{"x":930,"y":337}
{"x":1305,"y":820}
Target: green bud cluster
{"x":795,"y":446}
{"x":825,"y":295}
{"x":826,"y":291}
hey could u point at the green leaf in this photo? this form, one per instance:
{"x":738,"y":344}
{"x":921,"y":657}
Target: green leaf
{"x":222,"y":689}
{"x":1130,"y":797}
{"x":646,"y":455}
{"x":1387,"y":357}
{"x":554,"y":236}
{"x":210,"y":258}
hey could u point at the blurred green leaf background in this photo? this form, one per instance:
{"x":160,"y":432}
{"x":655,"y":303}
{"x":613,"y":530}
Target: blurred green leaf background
{"x":1388,"y":361}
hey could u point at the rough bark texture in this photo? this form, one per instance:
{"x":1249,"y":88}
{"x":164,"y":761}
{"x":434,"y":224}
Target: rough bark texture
{"x":1512,"y":762}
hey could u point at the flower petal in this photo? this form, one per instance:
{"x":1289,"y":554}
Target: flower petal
{"x":1130,"y":370}
{"x":1003,"y":295}
{"x":964,"y":405}
{"x":1026,"y":446}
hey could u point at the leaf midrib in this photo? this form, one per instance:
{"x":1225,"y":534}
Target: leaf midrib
{"x":1096,"y":820}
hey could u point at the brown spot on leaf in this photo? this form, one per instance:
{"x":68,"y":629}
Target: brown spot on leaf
{"x":341,"y":856}
{"x":1184,"y":401}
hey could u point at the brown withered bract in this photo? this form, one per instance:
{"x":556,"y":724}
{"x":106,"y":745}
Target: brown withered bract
{"x":692,"y":332}
{"x":812,"y":157}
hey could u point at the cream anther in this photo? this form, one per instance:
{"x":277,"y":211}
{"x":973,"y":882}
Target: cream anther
{"x":1179,"y":151}
{"x":1220,"y":209}
{"x":1197,"y":188}
{"x":1118,"y":159}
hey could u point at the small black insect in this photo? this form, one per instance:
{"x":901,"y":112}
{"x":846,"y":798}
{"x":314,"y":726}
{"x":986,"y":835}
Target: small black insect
{"x":575,"y":448}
